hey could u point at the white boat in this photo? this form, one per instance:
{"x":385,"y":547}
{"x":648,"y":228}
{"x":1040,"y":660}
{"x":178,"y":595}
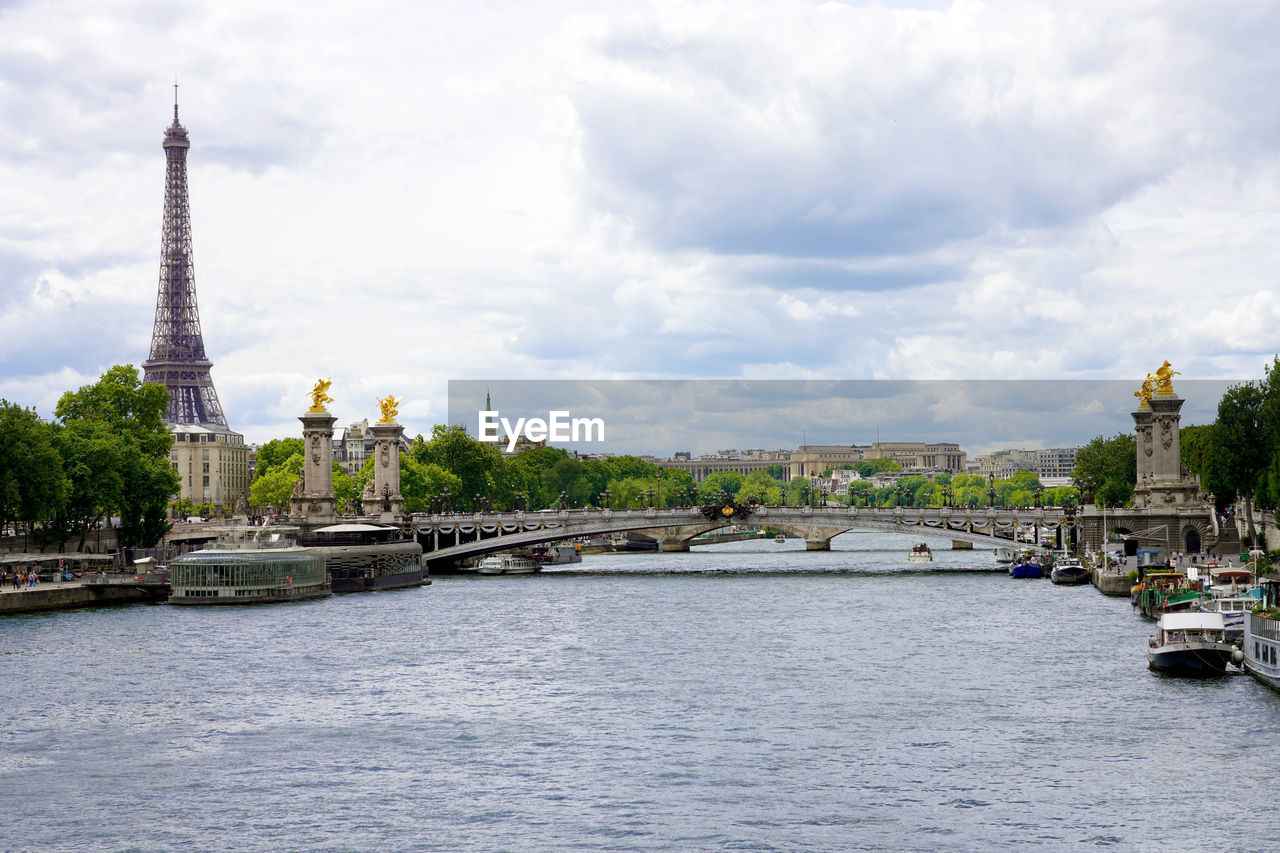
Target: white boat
{"x":507,"y":564}
{"x":920,"y":553}
{"x":780,"y":539}
{"x":1006,"y":554}
{"x":1262,"y":649}
{"x":1190,"y":644}
{"x":1233,"y":610}
{"x":1229,"y":582}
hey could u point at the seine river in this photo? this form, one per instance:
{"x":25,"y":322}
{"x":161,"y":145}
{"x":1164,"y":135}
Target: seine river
{"x":747,"y":696}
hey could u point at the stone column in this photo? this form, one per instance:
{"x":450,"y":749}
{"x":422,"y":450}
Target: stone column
{"x":1165,"y":457}
{"x":386,"y":470}
{"x":1142,"y":419}
{"x":314,"y":497}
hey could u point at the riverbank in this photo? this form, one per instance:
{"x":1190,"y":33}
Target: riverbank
{"x":67,"y":594}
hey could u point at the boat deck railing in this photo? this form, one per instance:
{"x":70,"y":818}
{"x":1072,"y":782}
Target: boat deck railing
{"x":1261,"y":626}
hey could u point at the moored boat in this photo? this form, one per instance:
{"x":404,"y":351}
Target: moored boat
{"x":507,"y":564}
{"x":1165,"y":592}
{"x":557,"y":555}
{"x":1189,"y":644}
{"x":1068,"y":570}
{"x":1027,"y":565}
{"x":1234,"y":609}
{"x":920,"y":553}
{"x":248,"y":565}
{"x":1006,"y":554}
{"x":1261,"y":648}
{"x":365,"y":557}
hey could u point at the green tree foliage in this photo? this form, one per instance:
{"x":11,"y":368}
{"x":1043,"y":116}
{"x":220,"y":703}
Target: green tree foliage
{"x":94,"y":460}
{"x":874,"y":466}
{"x":1238,"y":451}
{"x":133,"y":413}
{"x":33,"y":486}
{"x":478,"y":465}
{"x":274,"y":486}
{"x":275,"y":453}
{"x":724,"y":482}
{"x":1107,"y":469}
{"x":757,"y":486}
{"x":419,"y":482}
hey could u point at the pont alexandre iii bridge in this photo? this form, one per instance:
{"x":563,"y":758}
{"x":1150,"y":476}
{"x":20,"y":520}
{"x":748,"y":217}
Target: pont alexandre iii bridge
{"x":449,"y":538}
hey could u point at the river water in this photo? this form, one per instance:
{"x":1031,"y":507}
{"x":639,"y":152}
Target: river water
{"x":746,"y":696}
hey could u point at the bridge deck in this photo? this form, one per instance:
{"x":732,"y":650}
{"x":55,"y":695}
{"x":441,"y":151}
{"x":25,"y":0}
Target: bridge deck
{"x":491,"y":532}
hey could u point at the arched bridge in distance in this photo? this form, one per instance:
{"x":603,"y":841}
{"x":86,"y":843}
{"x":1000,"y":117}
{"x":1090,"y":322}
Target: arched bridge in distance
{"x":447,"y":538}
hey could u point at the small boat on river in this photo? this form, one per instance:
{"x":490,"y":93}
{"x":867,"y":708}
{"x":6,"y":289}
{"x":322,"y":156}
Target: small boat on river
{"x":1165,"y":592}
{"x":1261,"y":648}
{"x":1067,"y":570}
{"x":507,"y":564}
{"x":1006,"y":554}
{"x":1190,"y":644}
{"x":1027,"y":566}
{"x":920,"y":553}
{"x":1234,"y":610}
{"x":557,"y":555}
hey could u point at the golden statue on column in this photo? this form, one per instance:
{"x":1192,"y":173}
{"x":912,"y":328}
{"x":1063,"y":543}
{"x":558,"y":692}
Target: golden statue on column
{"x":1164,"y":380}
{"x":390,"y":406}
{"x":320,"y":395}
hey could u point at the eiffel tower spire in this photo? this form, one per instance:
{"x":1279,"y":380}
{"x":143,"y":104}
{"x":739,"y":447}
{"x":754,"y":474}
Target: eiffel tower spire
{"x":177,"y":358}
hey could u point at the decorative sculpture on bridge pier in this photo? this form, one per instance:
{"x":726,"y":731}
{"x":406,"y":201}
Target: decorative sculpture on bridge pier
{"x":386,"y":434}
{"x":313,"y":497}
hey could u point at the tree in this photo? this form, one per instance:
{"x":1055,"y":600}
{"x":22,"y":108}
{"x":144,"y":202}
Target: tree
{"x":874,"y":466}
{"x":275,"y":453}
{"x":1107,"y":469}
{"x":1238,"y":452}
{"x":728,"y":482}
{"x":33,"y":486}
{"x":274,"y":486}
{"x":758,"y":486}
{"x":478,"y":465}
{"x":419,"y":482}
{"x":134,"y":412}
{"x":94,"y":460}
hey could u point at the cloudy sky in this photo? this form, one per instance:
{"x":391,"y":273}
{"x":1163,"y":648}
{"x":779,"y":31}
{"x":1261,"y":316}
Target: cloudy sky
{"x":398,"y":194}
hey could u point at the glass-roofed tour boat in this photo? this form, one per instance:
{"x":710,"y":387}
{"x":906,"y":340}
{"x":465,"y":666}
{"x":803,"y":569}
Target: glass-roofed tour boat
{"x":249,"y":565}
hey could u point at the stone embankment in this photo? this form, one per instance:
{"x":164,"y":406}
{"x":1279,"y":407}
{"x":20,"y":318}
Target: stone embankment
{"x":60,"y":596}
{"x":1113,"y":581}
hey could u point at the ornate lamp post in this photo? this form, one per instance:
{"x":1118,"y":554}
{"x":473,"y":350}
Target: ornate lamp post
{"x":1038,"y":494}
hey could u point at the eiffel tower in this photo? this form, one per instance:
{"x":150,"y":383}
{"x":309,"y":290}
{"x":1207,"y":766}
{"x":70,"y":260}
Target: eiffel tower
{"x":177,"y":360}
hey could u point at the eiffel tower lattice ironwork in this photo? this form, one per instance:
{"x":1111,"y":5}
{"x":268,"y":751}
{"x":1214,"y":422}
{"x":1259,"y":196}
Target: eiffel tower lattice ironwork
{"x":177,"y":358}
